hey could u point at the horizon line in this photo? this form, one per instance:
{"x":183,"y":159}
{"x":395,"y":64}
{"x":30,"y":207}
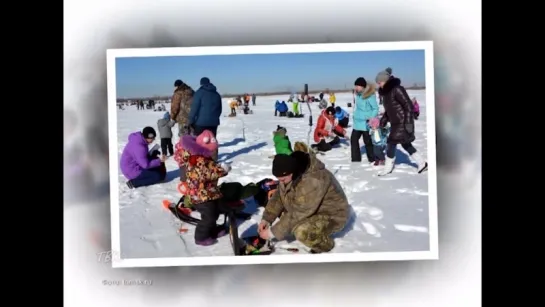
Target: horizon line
{"x":162,"y":97}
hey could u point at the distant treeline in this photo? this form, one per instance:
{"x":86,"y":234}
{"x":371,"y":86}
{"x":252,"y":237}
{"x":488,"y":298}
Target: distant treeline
{"x":228,"y":95}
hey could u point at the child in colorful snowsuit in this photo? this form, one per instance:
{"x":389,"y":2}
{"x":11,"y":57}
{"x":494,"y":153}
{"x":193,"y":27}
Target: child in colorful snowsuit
{"x":378,"y":137}
{"x":201,"y":183}
{"x":416,"y":108}
{"x":282,"y":144}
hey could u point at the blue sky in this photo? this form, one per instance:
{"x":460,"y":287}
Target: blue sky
{"x":148,"y":76}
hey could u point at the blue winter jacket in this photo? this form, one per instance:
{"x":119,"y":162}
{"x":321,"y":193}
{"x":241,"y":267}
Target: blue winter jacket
{"x":206,"y":107}
{"x":341,"y":115}
{"x":366,"y":108}
{"x":282,"y":107}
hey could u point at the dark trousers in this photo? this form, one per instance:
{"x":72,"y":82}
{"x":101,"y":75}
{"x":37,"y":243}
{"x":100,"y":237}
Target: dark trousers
{"x":253,"y":102}
{"x":278,"y":113}
{"x":233,"y":111}
{"x":207,"y":227}
{"x":166,"y":144}
{"x":150,"y":176}
{"x":379,"y":152}
{"x":355,"y":146}
{"x":326,"y":146}
{"x":391,"y":149}
{"x":344,"y":122}
{"x":214,"y":129}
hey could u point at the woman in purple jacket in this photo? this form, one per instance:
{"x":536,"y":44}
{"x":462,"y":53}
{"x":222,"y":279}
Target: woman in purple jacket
{"x":139,"y":166}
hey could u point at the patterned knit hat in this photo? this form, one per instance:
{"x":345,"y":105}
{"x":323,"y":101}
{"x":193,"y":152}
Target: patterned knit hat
{"x":207,"y":140}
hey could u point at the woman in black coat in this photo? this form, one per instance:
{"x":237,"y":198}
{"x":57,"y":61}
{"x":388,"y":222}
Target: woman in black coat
{"x":398,"y":110}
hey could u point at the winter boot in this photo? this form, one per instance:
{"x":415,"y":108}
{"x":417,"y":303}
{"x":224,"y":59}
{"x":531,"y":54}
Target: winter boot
{"x":220,"y":231}
{"x":206,"y":242}
{"x":378,"y":162}
{"x":388,"y":167}
{"x":421,"y":163}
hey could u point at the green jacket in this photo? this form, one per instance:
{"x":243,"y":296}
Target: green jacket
{"x":282,"y":144}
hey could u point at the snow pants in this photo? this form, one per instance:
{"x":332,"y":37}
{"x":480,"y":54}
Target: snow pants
{"x":316,"y":233}
{"x":355,"y":146}
{"x":150,"y":176}
{"x":392,"y":148}
{"x":326,"y":146}
{"x":207,"y":227}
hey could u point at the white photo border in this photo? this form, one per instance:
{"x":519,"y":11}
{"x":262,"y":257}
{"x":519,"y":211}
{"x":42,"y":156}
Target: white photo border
{"x":432,"y":254}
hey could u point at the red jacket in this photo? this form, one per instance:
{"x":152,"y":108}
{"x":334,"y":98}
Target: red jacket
{"x":325,"y":127}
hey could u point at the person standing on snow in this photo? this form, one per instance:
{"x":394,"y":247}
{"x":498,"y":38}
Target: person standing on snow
{"x":200,"y":186}
{"x":295,"y":106}
{"x":365,"y":108}
{"x":206,"y":110}
{"x":253,"y":99}
{"x":416,"y":108}
{"x":379,"y":137}
{"x":309,"y":202}
{"x":165,"y":125}
{"x":180,"y":106}
{"x":399,"y":112}
{"x":332,"y":99}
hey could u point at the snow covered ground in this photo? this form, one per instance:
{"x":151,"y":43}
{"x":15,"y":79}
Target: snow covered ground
{"x":390,"y":213}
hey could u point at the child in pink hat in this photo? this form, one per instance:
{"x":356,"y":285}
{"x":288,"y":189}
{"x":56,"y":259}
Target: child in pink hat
{"x":379,"y":137}
{"x":202,"y":172}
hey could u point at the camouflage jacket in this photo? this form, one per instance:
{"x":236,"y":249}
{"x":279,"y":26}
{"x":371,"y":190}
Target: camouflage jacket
{"x":181,"y":104}
{"x":316,"y":192}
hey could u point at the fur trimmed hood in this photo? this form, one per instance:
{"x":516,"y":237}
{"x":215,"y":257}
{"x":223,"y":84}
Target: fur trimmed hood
{"x":368,"y":91}
{"x":389,"y":85}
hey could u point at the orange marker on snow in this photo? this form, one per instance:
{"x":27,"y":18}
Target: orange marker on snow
{"x":166,"y":204}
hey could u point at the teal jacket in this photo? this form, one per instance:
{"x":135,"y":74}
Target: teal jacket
{"x":366,"y":107}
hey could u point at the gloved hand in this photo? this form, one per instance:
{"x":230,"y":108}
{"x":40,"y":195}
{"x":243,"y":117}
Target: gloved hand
{"x":226,"y":167}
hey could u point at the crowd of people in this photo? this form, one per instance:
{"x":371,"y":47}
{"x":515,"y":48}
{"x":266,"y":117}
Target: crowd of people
{"x":238,"y":102}
{"x":318,"y":207}
{"x":381,"y":133}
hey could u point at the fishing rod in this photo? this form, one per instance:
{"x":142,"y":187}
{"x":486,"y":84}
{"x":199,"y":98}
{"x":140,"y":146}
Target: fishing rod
{"x":309,"y":115}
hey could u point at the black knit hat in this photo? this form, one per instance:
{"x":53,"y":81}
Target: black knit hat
{"x":178,"y":83}
{"x":283,"y":165}
{"x":149,"y":133}
{"x":330,"y":110}
{"x":361,"y":82}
